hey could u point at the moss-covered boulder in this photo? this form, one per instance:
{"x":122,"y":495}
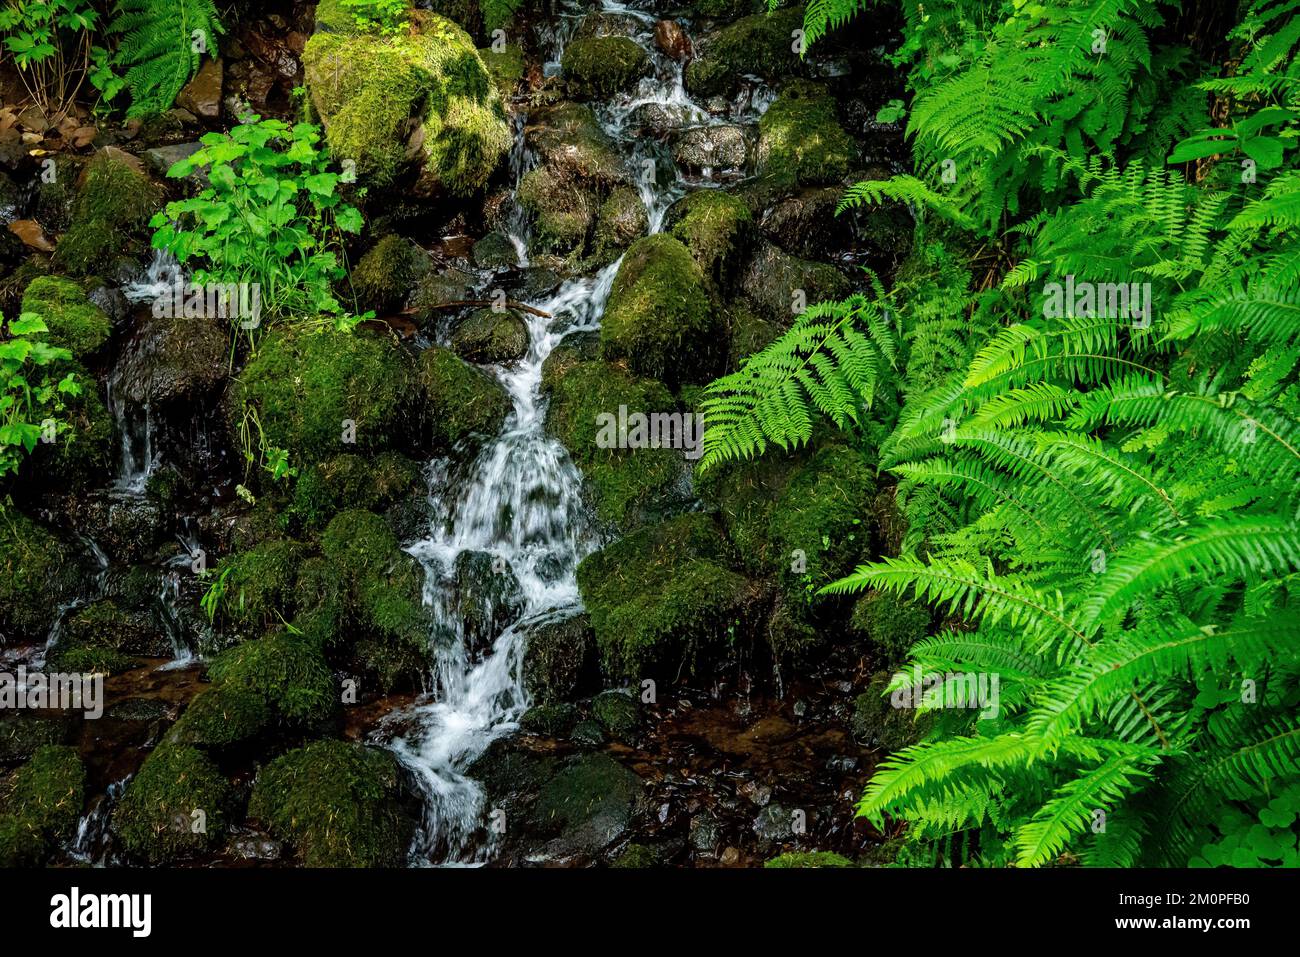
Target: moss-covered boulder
{"x":717,"y":228}
{"x":220,"y":717}
{"x":661,"y":318}
{"x":376,"y":484}
{"x":809,"y":859}
{"x":105,"y":636}
{"x":177,"y":805}
{"x":284,"y":670}
{"x":800,"y":138}
{"x":779,"y":286}
{"x":892,"y":624}
{"x":40,"y":805}
{"x":619,"y":714}
{"x":387,"y":273}
{"x":560,"y":660}
{"x":604,"y":66}
{"x":257,"y":585}
{"x":665,"y":597}
{"x":466,"y":405}
{"x":588,"y":805}
{"x":626,"y":486}
{"x":620,"y":220}
{"x":495,"y":251}
{"x":74,"y":322}
{"x":315,"y":392}
{"x":506,"y":67}
{"x":489,"y":335}
{"x":37,"y":573}
{"x":338,"y":804}
{"x":114,"y":204}
{"x":877,"y":724}
{"x":762,"y":45}
{"x":383,"y":99}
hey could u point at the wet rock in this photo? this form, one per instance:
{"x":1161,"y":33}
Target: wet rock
{"x":779,"y":285}
{"x":672,"y":40}
{"x":163,"y":158}
{"x":717,"y":228}
{"x":127,"y":529}
{"x":604,"y":65}
{"x":437,"y":290}
{"x":385,"y":275}
{"x":496,"y":250}
{"x":877,"y":724}
{"x":172,"y":360}
{"x":588,"y":734}
{"x":371,"y":91}
{"x":466,"y":404}
{"x":202,"y":95}
{"x":255,"y":847}
{"x":711,"y":147}
{"x":23,"y":733}
{"x":774,"y":824}
{"x":607,"y":24}
{"x":805,"y":224}
{"x":590,"y":802}
{"x":660,"y":119}
{"x":705,"y":833}
{"x":553,"y":720}
{"x":620,"y":220}
{"x":619,"y":713}
{"x":800,"y":138}
{"x":38,"y":572}
{"x":128,"y":631}
{"x":560,"y":663}
{"x":487,"y":597}
{"x":758,"y":45}
{"x":660,"y":317}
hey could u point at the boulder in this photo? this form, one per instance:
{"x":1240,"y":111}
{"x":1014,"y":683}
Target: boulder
{"x":800,"y":138}
{"x":716,"y":148}
{"x":466,"y":405}
{"x":761,"y":45}
{"x":603,"y":66}
{"x":560,"y":660}
{"x":779,"y":286}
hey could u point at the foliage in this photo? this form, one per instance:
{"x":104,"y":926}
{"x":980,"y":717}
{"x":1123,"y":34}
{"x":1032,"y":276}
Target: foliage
{"x":270,"y":218}
{"x":163,"y":43}
{"x":31,"y":392}
{"x":1102,"y":492}
{"x":51,"y":43}
{"x":390,"y":16}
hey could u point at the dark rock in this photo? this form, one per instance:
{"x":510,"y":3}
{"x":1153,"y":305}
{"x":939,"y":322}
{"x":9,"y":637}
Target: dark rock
{"x":672,"y":40}
{"x":619,"y":713}
{"x":202,"y":95}
{"x":711,"y":147}
{"x":488,"y":336}
{"x":487,"y":597}
{"x":173,"y":359}
{"x":560,"y":662}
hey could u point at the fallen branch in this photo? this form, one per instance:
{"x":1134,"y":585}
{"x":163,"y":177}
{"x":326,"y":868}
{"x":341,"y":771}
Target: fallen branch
{"x":510,"y":303}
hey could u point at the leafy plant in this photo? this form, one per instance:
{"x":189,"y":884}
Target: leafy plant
{"x":163,"y":43}
{"x":51,"y":43}
{"x":30,"y":394}
{"x":390,"y":16}
{"x":271,"y":217}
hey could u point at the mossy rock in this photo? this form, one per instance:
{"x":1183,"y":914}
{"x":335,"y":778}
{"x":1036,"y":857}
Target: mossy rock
{"x":809,"y":859}
{"x":351,"y":481}
{"x":115,"y":193}
{"x":438,"y":290}
{"x":156,"y":819}
{"x":619,"y":714}
{"x":466,"y":405}
{"x":107,"y":624}
{"x":370,"y":92}
{"x":778,"y":286}
{"x":626,"y":487}
{"x":660,"y":317}
{"x":286,"y":671}
{"x":800,"y":138}
{"x":666,"y":596}
{"x":23,"y":732}
{"x":748,"y":333}
{"x":589,"y":802}
{"x":563,"y":215}
{"x":716,"y":227}
{"x":37,"y":573}
{"x":495,"y":251}
{"x":877,"y":724}
{"x":306,"y":385}
{"x":759,"y":45}
{"x":604,"y":66}
{"x":560,"y":659}
{"x":620,"y":221}
{"x":259,"y":583}
{"x":727,"y":9}
{"x":74,"y":322}
{"x":40,"y":805}
{"x":86,"y":246}
{"x":491,"y":336}
{"x":636,"y":856}
{"x":568,"y":138}
{"x":892,"y":624}
{"x":506,"y":67}
{"x":552,"y":720}
{"x":387,"y":273}
{"x":221,"y":716}
{"x":337,"y":803}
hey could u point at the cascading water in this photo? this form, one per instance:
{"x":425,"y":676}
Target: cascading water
{"x":519,"y":502}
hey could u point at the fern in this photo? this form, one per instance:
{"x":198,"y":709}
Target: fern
{"x":163,"y":42}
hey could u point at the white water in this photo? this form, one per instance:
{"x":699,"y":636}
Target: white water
{"x":520,"y":501}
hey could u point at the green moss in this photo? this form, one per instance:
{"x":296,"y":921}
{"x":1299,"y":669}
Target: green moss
{"x":562,"y":215}
{"x":368,"y":90}
{"x":387,"y":273}
{"x":663,"y":596}
{"x":489,"y":336}
{"x":758,"y":45}
{"x":466,"y":405}
{"x":336,"y":18}
{"x":506,"y":67}
{"x":91,"y":659}
{"x":800,"y":138}
{"x":37,"y":573}
{"x":626,"y":486}
{"x":285,"y":670}
{"x":892,"y":624}
{"x":590,"y":788}
{"x":716,"y":227}
{"x":86,"y":246}
{"x":495,"y":251}
{"x":156,"y":819}
{"x":337,"y":803}
{"x":350,"y":481}
{"x":40,"y":805}
{"x":749,"y":333}
{"x":306,"y":385}
{"x":74,"y":321}
{"x":602,"y":66}
{"x":223,"y":715}
{"x":552,"y":720}
{"x":259,"y":586}
{"x":620,"y":221}
{"x":618,"y":713}
{"x":116,"y":194}
{"x":636,"y":856}
{"x":660,"y":316}
{"x":810,"y":859}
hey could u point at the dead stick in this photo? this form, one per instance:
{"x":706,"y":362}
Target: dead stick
{"x":485,"y":302}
